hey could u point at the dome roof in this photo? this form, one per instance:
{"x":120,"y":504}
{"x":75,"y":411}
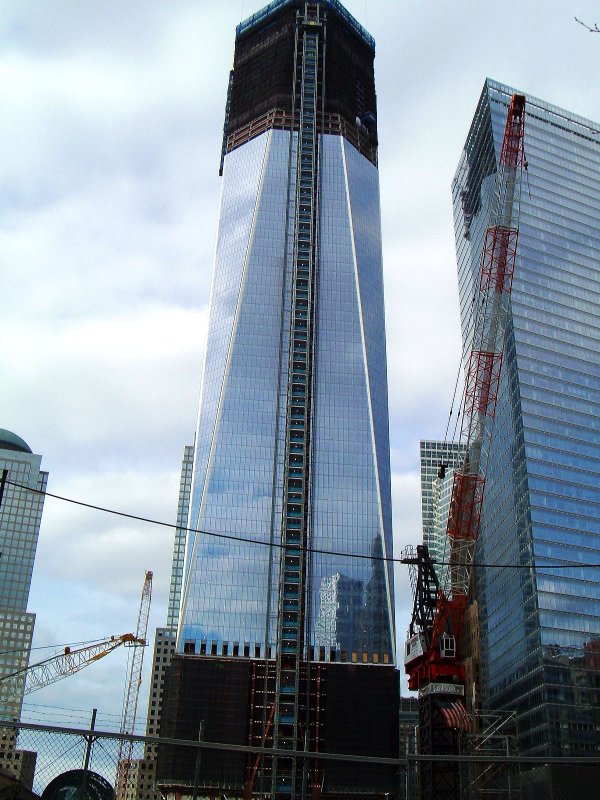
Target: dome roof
{"x":10,"y":441}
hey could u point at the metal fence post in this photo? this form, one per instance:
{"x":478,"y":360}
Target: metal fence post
{"x":88,"y":754}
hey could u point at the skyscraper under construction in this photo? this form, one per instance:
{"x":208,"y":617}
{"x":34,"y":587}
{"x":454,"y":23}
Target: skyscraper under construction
{"x":286,"y":583}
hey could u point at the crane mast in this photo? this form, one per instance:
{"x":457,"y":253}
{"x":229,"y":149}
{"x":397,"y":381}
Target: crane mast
{"x":433,"y":650}
{"x":132,"y":692}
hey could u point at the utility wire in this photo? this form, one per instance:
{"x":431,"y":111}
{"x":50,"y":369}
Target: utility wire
{"x":52,"y":709}
{"x":315,"y":550}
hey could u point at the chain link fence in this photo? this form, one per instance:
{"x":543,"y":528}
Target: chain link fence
{"x":38,"y":754}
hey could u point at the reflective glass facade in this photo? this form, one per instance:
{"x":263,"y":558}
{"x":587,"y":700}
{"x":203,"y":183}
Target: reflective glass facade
{"x":230,"y":590}
{"x":436,"y":491}
{"x":540,"y":627}
{"x":183,"y":508}
{"x":20,"y":518}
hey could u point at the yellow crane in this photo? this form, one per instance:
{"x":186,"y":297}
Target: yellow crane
{"x":61,"y":665}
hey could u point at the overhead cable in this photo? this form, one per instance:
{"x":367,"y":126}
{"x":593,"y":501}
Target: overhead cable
{"x":316,"y":550}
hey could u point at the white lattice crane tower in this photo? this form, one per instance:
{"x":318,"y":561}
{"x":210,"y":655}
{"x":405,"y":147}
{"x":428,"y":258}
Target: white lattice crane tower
{"x":132,"y":691}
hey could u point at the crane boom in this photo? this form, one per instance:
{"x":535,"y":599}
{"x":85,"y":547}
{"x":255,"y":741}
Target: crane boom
{"x":433,"y":652}
{"x":483,"y":377}
{"x":59,"y":666}
{"x":132,"y":692}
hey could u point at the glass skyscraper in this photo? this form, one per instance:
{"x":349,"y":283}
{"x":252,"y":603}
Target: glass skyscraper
{"x":20,"y":518}
{"x":141,"y":781}
{"x":292,"y":443}
{"x":540,"y":618}
{"x":436,"y":491}
{"x":183,"y":507}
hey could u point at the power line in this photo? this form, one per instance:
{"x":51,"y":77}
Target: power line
{"x":312,"y":550}
{"x":79,"y":711}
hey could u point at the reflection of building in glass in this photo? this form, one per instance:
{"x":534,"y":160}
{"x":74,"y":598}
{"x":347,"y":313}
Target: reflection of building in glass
{"x":293,"y":423}
{"x":438,"y":462}
{"x":352,"y":616}
{"x":376,"y":621}
{"x":341,"y":610}
{"x":20,"y":518}
{"x":542,"y":498}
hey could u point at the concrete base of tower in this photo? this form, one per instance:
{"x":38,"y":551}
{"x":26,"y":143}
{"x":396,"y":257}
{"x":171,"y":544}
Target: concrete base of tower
{"x":350,"y":710}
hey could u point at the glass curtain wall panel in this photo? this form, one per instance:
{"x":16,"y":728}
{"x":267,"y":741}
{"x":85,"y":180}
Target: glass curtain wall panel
{"x":540,"y":622}
{"x":20,"y":520}
{"x":436,"y":492}
{"x":230,"y":588}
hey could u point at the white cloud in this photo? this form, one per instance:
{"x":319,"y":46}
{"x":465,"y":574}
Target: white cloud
{"x":109,"y":384}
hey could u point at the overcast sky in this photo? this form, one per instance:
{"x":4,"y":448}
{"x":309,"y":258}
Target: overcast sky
{"x":111,"y":123}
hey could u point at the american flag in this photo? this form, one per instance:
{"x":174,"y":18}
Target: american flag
{"x":454,"y":715}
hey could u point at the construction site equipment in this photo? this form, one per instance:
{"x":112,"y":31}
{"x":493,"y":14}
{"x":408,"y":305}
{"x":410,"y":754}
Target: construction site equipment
{"x":494,"y":734}
{"x":61,"y":665}
{"x":433,"y":656}
{"x":132,"y":691}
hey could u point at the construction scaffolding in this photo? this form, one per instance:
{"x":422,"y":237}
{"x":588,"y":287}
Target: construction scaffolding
{"x":493,"y":734}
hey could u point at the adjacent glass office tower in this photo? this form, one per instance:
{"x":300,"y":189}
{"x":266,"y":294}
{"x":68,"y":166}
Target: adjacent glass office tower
{"x":436,"y":491}
{"x":292,"y":437}
{"x":20,"y":518}
{"x":540,"y":624}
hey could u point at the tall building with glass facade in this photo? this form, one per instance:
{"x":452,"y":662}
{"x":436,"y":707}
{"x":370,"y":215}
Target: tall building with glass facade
{"x":438,"y":463}
{"x":292,"y":443}
{"x":286,"y":611}
{"x":20,"y":519}
{"x":540,"y":624}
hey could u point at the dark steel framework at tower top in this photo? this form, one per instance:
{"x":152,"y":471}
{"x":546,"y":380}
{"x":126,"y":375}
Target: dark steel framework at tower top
{"x":267,"y":11}
{"x":262,"y":87}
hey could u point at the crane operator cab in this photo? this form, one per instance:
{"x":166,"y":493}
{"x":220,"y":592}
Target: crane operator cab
{"x":447,"y":646}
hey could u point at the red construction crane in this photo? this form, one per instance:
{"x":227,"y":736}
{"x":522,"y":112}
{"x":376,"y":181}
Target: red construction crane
{"x":433,"y":656}
{"x":132,"y":692}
